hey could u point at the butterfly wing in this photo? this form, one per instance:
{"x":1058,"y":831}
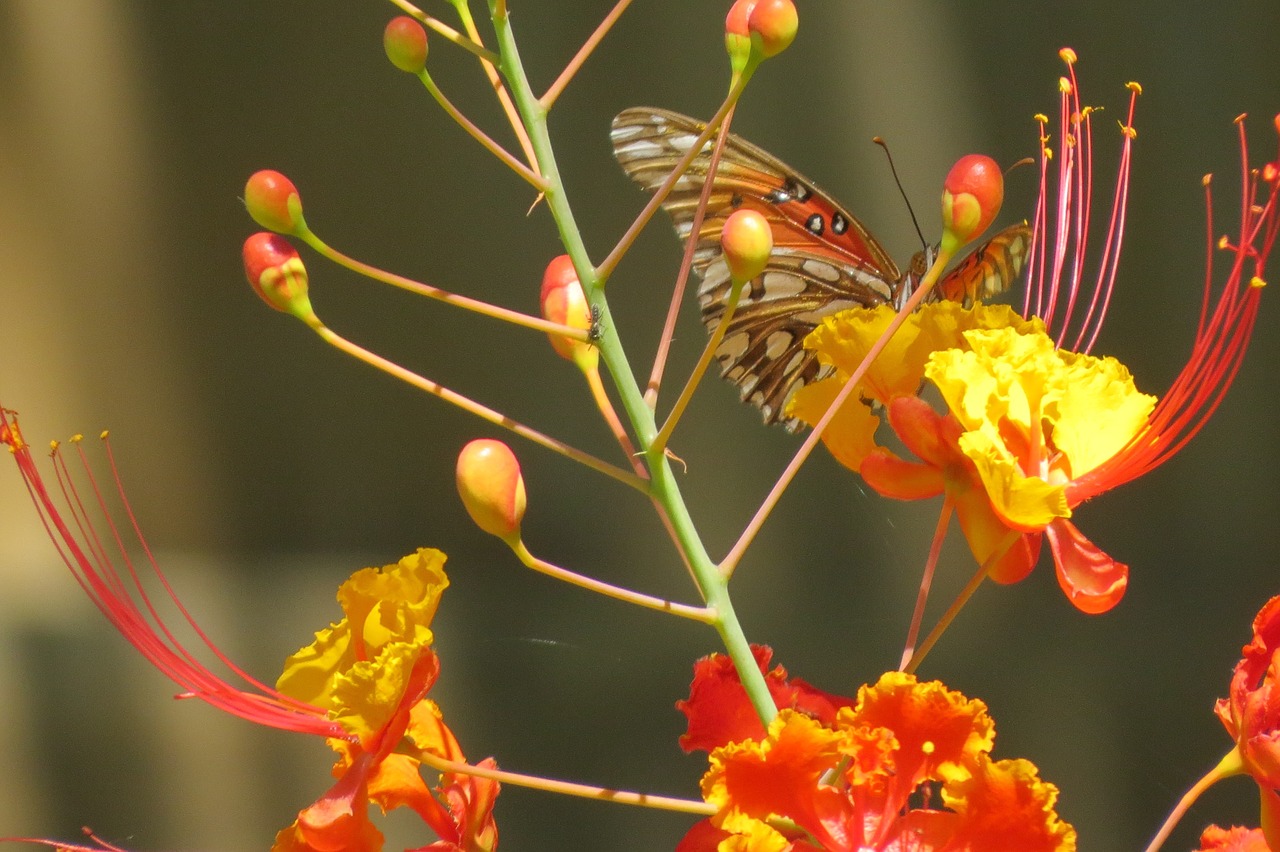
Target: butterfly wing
{"x":824,"y":260}
{"x":989,"y":270}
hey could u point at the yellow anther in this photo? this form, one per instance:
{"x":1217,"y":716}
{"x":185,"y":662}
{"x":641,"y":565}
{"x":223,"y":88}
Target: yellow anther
{"x":103,"y":435}
{"x":1255,"y":281}
{"x":1239,"y":119}
{"x":1068,"y":55}
{"x":53,"y":446}
{"x":1207,"y":179}
{"x":1129,"y":131}
{"x":927,"y":747}
{"x":1041,"y":118}
{"x":1223,"y":242}
{"x":1134,"y":87}
{"x":76,"y":438}
{"x":1048,"y":153}
{"x":1064,"y":85}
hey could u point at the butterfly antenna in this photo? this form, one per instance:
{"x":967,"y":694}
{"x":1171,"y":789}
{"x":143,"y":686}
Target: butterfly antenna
{"x":885,"y":145}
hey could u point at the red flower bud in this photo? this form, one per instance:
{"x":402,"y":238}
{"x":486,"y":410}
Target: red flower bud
{"x":491,"y":488}
{"x":277,"y":274}
{"x":747,"y":241}
{"x":564,"y":302}
{"x":774,"y":24}
{"x":405,"y":41}
{"x":971,"y":197}
{"x":273,"y":202}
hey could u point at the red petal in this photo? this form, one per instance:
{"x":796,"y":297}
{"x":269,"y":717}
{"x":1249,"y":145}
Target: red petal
{"x":892,"y":477}
{"x":1092,"y":580}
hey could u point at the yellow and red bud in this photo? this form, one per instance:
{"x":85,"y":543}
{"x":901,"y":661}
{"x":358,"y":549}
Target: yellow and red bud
{"x":276,"y":272}
{"x":563,"y":301}
{"x":971,"y":197}
{"x":773,"y":25}
{"x":747,"y":241}
{"x":491,"y":488}
{"x":273,"y":202}
{"x":737,"y":37}
{"x":405,"y":41}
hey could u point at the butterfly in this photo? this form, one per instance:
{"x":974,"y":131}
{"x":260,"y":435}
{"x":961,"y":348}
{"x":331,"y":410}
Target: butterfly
{"x":824,"y":260}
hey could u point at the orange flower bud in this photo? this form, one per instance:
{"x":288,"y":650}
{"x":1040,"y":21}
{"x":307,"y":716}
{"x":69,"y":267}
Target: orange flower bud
{"x":774,"y":24}
{"x":491,"y":488}
{"x":971,"y":197}
{"x":737,"y":38}
{"x":564,"y":302}
{"x":405,"y":41}
{"x":277,"y":274}
{"x":273,"y":202}
{"x":747,"y":241}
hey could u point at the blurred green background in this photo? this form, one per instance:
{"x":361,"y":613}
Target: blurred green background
{"x":266,"y":467}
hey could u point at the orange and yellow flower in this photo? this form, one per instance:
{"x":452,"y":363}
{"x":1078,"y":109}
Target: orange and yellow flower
{"x":906,"y":767}
{"x":1033,"y":429}
{"x":362,"y":683}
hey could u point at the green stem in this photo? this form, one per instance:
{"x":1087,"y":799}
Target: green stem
{"x":663,"y":487}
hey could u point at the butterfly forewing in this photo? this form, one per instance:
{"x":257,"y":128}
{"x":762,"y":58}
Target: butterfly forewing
{"x":824,"y":259}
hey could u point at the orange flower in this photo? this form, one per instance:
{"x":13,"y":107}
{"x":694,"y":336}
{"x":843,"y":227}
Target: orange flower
{"x":1034,"y":429}
{"x":1234,"y":839}
{"x":361,"y":684}
{"x":1251,"y":714}
{"x":862,"y":781}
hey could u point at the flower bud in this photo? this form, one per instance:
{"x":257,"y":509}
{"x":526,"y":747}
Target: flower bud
{"x":273,"y":202}
{"x":405,"y":41}
{"x":747,"y":241}
{"x":276,"y":272}
{"x":491,"y":488}
{"x":737,"y":38}
{"x":773,"y":25}
{"x":564,"y":302}
{"x":971,"y":197}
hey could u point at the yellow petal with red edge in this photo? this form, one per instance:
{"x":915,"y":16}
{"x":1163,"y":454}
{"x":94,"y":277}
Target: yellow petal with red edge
{"x":987,"y":534}
{"x":850,"y":435}
{"x":1092,"y":580}
{"x":1025,"y":503}
{"x":1004,"y":805}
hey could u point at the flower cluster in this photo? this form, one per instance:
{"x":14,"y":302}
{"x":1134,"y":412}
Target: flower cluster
{"x":842,"y":775}
{"x":1005,"y":414}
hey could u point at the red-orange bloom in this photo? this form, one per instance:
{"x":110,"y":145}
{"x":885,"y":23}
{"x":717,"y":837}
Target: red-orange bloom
{"x":361,"y":684}
{"x":1234,"y":839}
{"x":1251,"y":712}
{"x":906,"y":768}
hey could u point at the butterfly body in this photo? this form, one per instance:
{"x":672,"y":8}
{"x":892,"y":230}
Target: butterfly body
{"x":824,"y":259}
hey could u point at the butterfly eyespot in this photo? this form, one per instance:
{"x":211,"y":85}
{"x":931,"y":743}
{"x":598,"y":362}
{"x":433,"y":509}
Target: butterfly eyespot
{"x":828,"y":260}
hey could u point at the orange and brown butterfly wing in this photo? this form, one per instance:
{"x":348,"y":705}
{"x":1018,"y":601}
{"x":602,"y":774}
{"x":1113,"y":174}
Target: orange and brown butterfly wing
{"x":824,"y":260}
{"x":989,"y":270}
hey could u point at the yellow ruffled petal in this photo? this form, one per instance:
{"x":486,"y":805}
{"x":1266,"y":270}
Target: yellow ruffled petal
{"x":366,"y":695}
{"x":1097,"y":410}
{"x":851,"y":434}
{"x":1036,"y":417}
{"x":391,"y":604}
